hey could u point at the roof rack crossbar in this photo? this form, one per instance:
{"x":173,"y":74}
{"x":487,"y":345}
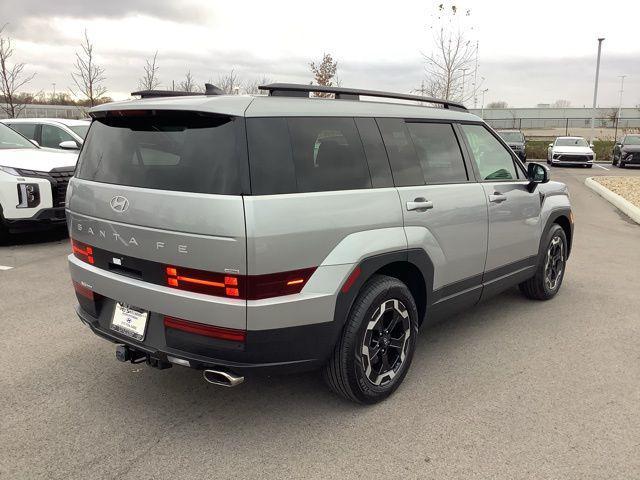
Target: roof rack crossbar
{"x":300,"y":90}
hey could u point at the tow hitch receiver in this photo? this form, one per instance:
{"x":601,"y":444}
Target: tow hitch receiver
{"x":127,"y":354}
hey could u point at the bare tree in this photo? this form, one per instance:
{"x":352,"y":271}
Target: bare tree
{"x":452,"y":56}
{"x":12,"y":77}
{"x":561,"y":104}
{"x":150,"y":80}
{"x":88,"y":75}
{"x":445,"y":67}
{"x":229,"y":83}
{"x":324,"y":72}
{"x":188,"y":84}
{"x":498,"y":104}
{"x":251,"y":87}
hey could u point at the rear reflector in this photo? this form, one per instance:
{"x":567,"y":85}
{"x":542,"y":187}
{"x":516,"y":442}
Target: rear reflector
{"x":205,"y":330}
{"x":82,"y":251}
{"x":351,"y":280}
{"x":251,"y":287}
{"x":84,"y":291}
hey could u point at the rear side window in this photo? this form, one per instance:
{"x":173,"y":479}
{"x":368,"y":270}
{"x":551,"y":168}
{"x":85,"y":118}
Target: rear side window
{"x":167,"y":150}
{"x":493,"y":160}
{"x":26,"y":129}
{"x":438,"y":152}
{"x":402,"y":154}
{"x":289,"y":155}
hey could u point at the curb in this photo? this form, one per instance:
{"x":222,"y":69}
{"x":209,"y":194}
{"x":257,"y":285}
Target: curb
{"x":616,"y":200}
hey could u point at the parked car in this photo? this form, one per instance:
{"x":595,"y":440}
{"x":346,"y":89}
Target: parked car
{"x":516,"y":141}
{"x":571,"y":151}
{"x":627,"y":151}
{"x":245,"y":234}
{"x":58,"y":133}
{"x":33,"y":183}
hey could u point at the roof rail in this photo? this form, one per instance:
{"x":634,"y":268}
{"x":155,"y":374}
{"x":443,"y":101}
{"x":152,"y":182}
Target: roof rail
{"x":209,"y":89}
{"x":300,"y":90}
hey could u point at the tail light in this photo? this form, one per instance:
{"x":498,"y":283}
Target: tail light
{"x":247,"y":287}
{"x":205,"y":330}
{"x":82,"y":251}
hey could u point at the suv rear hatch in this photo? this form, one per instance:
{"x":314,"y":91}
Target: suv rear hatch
{"x":158,"y":197}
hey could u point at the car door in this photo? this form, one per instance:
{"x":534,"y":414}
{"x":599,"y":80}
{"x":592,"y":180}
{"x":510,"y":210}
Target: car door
{"x":514,"y":210}
{"x":444,"y":208}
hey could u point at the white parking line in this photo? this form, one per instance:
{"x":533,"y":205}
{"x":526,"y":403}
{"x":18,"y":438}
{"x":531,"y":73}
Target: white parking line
{"x":4,"y":267}
{"x":600,"y":166}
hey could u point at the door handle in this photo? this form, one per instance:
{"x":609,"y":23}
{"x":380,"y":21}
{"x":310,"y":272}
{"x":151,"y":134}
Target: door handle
{"x":497,"y":198}
{"x":420,"y":205}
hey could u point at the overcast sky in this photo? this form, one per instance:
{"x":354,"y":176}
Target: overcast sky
{"x":529,"y":52}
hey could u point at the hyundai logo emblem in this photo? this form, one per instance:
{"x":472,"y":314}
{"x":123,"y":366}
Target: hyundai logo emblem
{"x":119,"y":204}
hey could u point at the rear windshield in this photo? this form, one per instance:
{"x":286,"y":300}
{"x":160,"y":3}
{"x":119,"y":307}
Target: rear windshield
{"x":512,"y":136}
{"x":167,"y":150}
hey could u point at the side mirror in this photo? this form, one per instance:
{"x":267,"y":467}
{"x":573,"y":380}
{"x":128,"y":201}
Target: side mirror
{"x":68,"y":145}
{"x":551,"y":145}
{"x":34,"y":142}
{"x":537,"y":173}
{"x":591,"y":145}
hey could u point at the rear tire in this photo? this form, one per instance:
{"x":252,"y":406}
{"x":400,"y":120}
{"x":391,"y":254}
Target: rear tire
{"x":377,"y":344}
{"x":552,"y":261}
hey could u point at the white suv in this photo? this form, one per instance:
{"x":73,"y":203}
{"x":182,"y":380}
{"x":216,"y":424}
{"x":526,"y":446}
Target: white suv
{"x":57,"y":133}
{"x":33,"y":183}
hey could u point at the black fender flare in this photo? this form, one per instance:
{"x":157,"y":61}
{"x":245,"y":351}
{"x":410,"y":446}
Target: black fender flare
{"x":553,"y":217}
{"x":368,"y":266}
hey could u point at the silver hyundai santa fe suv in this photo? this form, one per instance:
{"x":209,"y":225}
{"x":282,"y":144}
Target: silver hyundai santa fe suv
{"x":242,"y":234}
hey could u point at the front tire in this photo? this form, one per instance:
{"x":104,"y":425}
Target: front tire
{"x":377,"y":344}
{"x":546,"y":283}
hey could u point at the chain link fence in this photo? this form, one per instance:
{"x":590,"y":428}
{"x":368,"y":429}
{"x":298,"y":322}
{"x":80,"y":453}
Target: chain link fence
{"x":605,"y":128}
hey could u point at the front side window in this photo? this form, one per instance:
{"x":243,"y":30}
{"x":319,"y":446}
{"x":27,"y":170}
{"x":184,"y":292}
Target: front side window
{"x":168,"y":150}
{"x":438,"y":152}
{"x":11,"y":139}
{"x":492,"y":159}
{"x":53,"y":136}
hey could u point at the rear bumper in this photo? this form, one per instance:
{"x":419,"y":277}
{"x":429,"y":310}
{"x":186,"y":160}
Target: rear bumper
{"x":284,"y":350}
{"x":290,"y":333}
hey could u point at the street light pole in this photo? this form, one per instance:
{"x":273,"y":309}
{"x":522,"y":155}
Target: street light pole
{"x":595,"y":88}
{"x":482,"y":108}
{"x":464,"y":72}
{"x":615,"y":135}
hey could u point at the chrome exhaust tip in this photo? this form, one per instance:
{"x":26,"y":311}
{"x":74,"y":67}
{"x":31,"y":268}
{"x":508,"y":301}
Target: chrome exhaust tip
{"x":222,"y":378}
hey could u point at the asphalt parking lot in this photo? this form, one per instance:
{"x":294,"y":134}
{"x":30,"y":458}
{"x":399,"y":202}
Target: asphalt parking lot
{"x":510,"y":389}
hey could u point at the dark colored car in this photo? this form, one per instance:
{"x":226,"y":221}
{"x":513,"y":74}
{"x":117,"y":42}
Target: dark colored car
{"x":516,"y":140}
{"x":627,"y":151}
